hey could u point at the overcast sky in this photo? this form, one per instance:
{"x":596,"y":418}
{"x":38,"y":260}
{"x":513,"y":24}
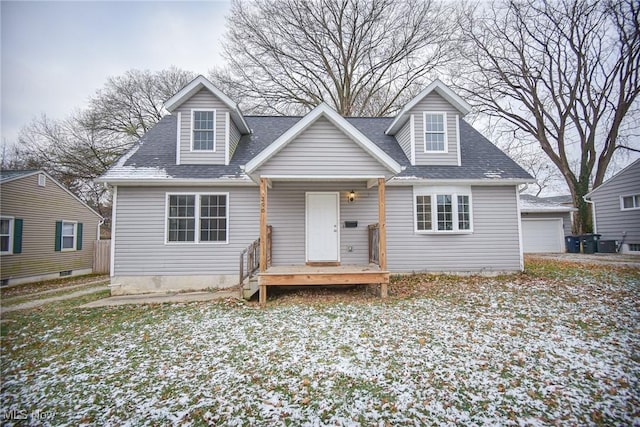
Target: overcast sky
{"x":56,"y":54}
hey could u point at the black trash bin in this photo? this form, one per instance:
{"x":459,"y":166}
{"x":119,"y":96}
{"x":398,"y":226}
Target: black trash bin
{"x":607,"y":246}
{"x":589,"y":243}
{"x":572,"y":243}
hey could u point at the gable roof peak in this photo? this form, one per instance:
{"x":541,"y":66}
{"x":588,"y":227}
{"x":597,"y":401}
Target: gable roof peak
{"x":201,"y":82}
{"x":323,"y":110}
{"x":435,"y":86}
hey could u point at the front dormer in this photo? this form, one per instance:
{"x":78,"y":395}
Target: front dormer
{"x":428,"y":127}
{"x":209,"y":124}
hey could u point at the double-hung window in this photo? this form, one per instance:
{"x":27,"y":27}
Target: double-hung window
{"x":435,"y":132}
{"x":630,"y":202}
{"x":68,"y":236}
{"x":203,"y":130}
{"x":197,"y":218}
{"x":442,"y":209}
{"x":6,"y":235}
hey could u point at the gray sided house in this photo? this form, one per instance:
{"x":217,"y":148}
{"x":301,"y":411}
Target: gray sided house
{"x":334,"y":199}
{"x":45,"y":230}
{"x":616,"y":208}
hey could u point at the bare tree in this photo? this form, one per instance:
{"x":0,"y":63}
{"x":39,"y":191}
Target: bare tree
{"x":363,"y":57}
{"x":83,"y":146}
{"x":132,"y":103}
{"x":565,"y":73}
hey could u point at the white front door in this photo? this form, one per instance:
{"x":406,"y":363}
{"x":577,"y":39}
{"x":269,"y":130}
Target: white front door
{"x":323,"y":227}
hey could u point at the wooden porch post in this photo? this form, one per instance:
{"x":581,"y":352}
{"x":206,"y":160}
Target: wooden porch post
{"x":382,"y":233}
{"x":263,"y":237}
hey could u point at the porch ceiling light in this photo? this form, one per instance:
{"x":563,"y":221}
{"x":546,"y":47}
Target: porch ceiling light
{"x":352,"y":196}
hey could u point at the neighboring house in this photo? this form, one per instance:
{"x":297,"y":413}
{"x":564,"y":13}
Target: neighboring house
{"x":616,"y":208}
{"x":423,"y":191}
{"x":545,"y":223}
{"x":45,"y":231}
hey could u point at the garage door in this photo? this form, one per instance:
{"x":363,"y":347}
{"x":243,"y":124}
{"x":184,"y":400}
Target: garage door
{"x":542,"y":235}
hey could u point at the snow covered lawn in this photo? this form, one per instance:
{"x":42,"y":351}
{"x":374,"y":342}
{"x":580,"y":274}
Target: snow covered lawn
{"x":560,"y":344}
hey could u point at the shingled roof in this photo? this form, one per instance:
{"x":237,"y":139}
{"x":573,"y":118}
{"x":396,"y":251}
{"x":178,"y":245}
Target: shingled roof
{"x":154,"y":157}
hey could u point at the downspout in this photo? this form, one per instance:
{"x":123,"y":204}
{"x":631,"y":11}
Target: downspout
{"x":99,"y":225}
{"x":593,"y":213}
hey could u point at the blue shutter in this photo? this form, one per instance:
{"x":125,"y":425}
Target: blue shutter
{"x":17,"y":236}
{"x":58,"y":244}
{"x":79,"y":236}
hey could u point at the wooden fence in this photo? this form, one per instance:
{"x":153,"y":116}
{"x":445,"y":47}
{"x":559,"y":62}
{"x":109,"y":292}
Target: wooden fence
{"x":101,"y":256}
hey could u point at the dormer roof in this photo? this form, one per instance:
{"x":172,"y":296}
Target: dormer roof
{"x":442,"y":90}
{"x":194,"y":87}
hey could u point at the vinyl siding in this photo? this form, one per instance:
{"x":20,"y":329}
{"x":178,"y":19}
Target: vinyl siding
{"x":493,"y":245}
{"x":234,"y":138}
{"x":566,"y":219}
{"x":140,"y":233}
{"x":286,"y":214}
{"x":40,"y":208}
{"x":202,"y":100}
{"x":322,"y":149}
{"x":611,"y":221}
{"x":404,"y":139}
{"x":435,"y":103}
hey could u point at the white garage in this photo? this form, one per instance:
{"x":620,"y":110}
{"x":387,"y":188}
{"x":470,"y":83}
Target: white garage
{"x":542,"y":235}
{"x":544,"y":224}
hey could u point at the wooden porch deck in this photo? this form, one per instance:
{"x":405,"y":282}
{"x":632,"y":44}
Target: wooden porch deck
{"x":303,"y":275}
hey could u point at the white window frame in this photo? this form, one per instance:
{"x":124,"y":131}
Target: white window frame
{"x":197,"y":195}
{"x":75,"y":236}
{"x":434,"y":192}
{"x":633,"y":197}
{"x":444,"y":132}
{"x":11,"y":234}
{"x":193,"y":117}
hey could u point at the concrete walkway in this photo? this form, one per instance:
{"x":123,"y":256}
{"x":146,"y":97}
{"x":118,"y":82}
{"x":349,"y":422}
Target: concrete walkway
{"x":39,"y":302}
{"x":163,"y":298}
{"x":7,"y":301}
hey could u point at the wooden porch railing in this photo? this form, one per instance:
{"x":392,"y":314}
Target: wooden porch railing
{"x":374,"y":247}
{"x":250,"y":257}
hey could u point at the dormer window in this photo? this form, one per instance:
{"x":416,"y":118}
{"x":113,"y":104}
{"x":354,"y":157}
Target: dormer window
{"x":435,"y":133}
{"x":203,"y":130}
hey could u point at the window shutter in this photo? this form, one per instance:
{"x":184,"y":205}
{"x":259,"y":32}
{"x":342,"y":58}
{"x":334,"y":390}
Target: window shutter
{"x":79,"y":236}
{"x":58,"y":236}
{"x":17,"y":236}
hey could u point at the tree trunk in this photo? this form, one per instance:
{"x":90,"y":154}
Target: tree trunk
{"x":582,"y":218}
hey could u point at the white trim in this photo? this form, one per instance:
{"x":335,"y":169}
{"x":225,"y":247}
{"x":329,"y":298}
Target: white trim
{"x":412,"y":124}
{"x":227,"y":125}
{"x":169,"y":182}
{"x":633,"y":198}
{"x":179,"y":128}
{"x":57,"y":183}
{"x":75,"y":236}
{"x":193,"y":87}
{"x":402,"y":181}
{"x":11,"y":234}
{"x":42,"y":180}
{"x":323,"y":110}
{"x":445,"y":140}
{"x":449,"y":95}
{"x":322,"y":177}
{"x":519,"y":214}
{"x":434,"y":192}
{"x":458,"y":139}
{"x":306,"y":223}
{"x":197,"y":195}
{"x":114,"y":209}
{"x":192,"y":130}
